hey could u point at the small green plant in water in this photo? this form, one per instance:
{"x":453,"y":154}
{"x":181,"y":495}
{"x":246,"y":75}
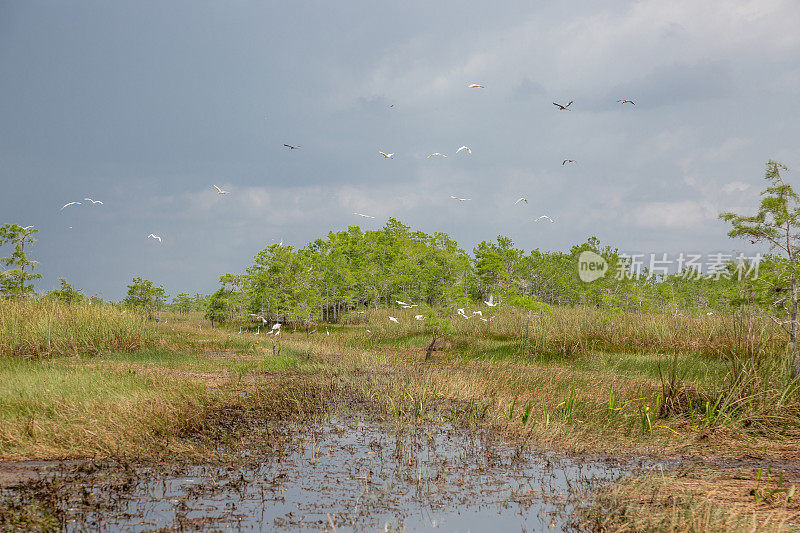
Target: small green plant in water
{"x":545,"y":415}
{"x":712,"y":411}
{"x":767,"y":494}
{"x":568,"y":406}
{"x":510,"y":410}
{"x":527,"y":412}
{"x":647,"y":423}
{"x":613,"y":402}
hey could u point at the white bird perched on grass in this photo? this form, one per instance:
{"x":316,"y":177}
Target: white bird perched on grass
{"x":477,"y":313}
{"x":485,"y":320}
{"x":220,"y":191}
{"x":69,"y":204}
{"x":393,"y":319}
{"x":93,"y":201}
{"x":522,"y":199}
{"x":386,"y":156}
{"x":460,"y":310}
{"x":326,"y":331}
{"x":275,"y":326}
{"x":363,"y":215}
{"x":419,"y":317}
{"x":460,"y":199}
{"x":154,"y":236}
{"x":400,"y":303}
{"x":410,"y":306}
{"x":476,"y":86}
{"x":436,"y":154}
{"x":544,"y":216}
{"x":490,"y":302}
{"x":464,"y":148}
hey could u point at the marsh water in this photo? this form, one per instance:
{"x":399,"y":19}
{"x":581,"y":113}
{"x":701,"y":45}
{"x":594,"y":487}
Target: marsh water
{"x":344,"y":476}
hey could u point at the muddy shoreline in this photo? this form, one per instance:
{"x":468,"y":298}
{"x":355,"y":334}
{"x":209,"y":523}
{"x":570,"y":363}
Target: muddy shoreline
{"x":343,"y":474}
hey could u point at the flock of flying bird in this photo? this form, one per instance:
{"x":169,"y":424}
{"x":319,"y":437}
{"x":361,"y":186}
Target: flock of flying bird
{"x":385,"y":155}
{"x":390,"y":155}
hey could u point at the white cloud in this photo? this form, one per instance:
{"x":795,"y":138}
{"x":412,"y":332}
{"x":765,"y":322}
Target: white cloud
{"x":687,"y":214}
{"x":735,"y":186}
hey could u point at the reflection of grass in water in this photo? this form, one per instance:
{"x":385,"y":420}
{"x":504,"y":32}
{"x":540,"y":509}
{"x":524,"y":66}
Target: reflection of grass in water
{"x":414,"y":471}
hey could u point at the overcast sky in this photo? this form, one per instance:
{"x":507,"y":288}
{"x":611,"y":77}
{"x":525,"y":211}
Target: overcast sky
{"x":146,"y":105}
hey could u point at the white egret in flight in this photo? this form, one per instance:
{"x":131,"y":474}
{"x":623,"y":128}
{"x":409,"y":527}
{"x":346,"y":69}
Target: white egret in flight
{"x":363,"y":215}
{"x":385,"y":155}
{"x":476,"y":86}
{"x":220,"y":191}
{"x":544,"y":216}
{"x":522,"y":199}
{"x":464,"y":148}
{"x":93,"y":201}
{"x":69,"y":204}
{"x":460,"y":199}
{"x":567,"y":161}
{"x":436,"y":154}
{"x":154,"y":236}
{"x":626,"y":102}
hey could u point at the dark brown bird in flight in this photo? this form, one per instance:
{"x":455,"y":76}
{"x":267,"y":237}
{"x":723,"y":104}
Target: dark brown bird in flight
{"x":563,"y":107}
{"x":567,"y":161}
{"x":290,"y":147}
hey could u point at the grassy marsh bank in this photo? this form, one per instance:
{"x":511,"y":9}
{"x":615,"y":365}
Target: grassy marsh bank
{"x":198,"y":390}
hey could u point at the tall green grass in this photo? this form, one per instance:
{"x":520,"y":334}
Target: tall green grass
{"x":575,"y":330}
{"x":42,"y":328}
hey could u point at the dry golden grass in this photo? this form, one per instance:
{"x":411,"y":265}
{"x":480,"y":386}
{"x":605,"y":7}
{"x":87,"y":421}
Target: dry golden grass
{"x":46,"y":328}
{"x":698,"y":498}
